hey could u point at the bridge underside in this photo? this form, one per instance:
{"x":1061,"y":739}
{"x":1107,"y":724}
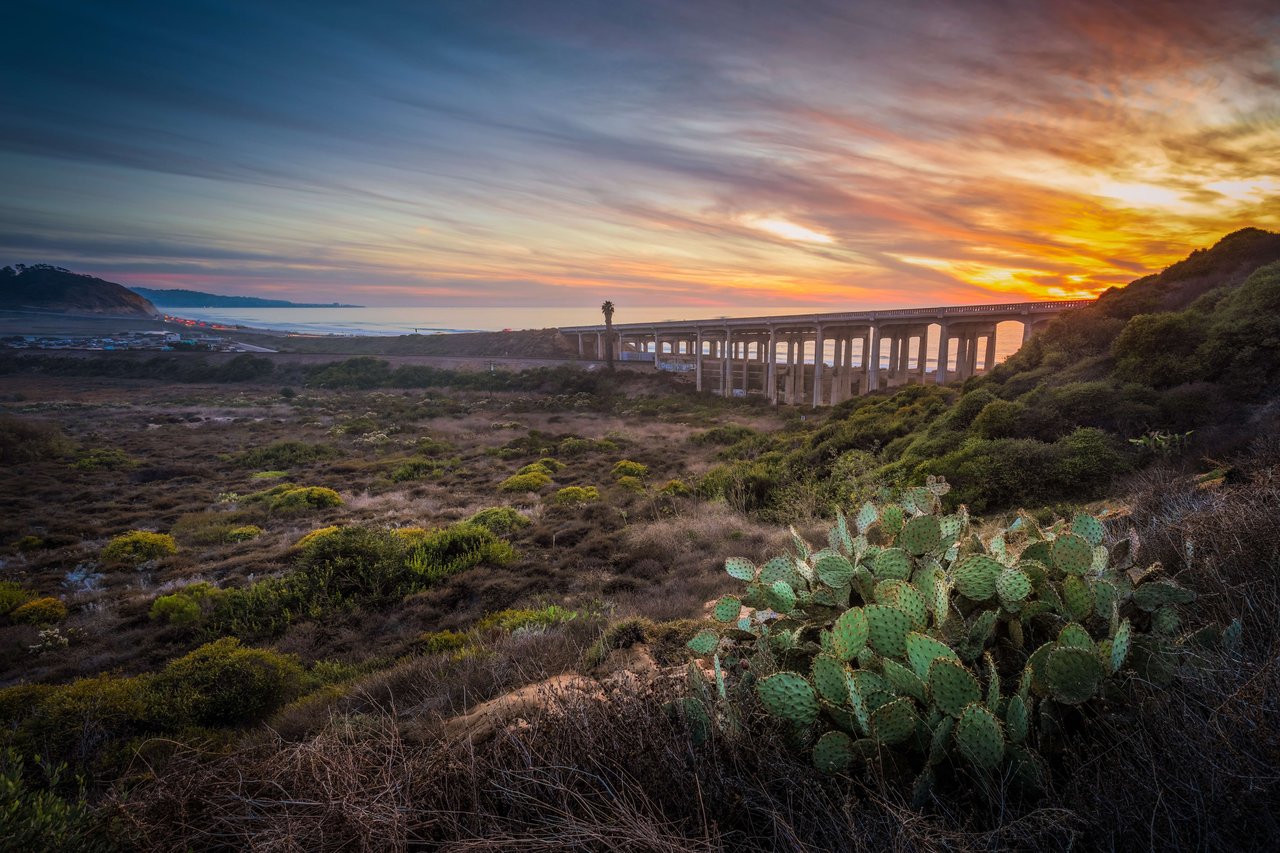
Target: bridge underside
{"x":825,"y":359}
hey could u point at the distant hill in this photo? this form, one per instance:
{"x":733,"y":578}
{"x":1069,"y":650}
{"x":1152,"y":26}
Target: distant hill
{"x":41,"y":287}
{"x":197,"y":299}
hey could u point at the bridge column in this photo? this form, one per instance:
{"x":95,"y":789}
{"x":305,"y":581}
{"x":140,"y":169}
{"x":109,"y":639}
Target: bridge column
{"x":873,"y":363}
{"x":971,"y":355}
{"x":771,"y":367}
{"x":922,"y":361}
{"x":697,"y":362}
{"x":1028,"y":329}
{"x":819,"y":344}
{"x":726,"y":365}
{"x":990,"y":360}
{"x":944,"y":354}
{"x":581,"y":350}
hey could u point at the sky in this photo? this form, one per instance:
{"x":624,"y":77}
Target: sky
{"x":694,"y":154}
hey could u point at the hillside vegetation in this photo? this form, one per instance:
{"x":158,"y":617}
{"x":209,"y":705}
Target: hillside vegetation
{"x":41,"y":287}
{"x":1183,"y":362}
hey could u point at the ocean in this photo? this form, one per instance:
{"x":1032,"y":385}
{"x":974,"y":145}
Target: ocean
{"x":407,"y":320}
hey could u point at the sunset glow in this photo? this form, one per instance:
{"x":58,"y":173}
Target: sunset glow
{"x":652,"y":153}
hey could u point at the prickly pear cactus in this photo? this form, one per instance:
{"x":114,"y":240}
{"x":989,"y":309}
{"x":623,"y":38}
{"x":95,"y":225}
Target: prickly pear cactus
{"x":908,"y":632}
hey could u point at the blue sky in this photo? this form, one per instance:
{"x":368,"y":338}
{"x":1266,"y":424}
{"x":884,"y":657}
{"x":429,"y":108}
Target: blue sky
{"x":706,"y":154}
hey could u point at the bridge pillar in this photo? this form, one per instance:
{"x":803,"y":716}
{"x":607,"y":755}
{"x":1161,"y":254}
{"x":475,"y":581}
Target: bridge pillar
{"x":697,"y":362}
{"x":819,"y":345}
{"x":771,"y":367}
{"x":873,"y":364}
{"x":726,"y":365}
{"x":944,"y":355}
{"x":989,"y":361}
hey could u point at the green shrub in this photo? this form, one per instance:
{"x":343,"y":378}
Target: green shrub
{"x":535,"y":468}
{"x":306,"y":498}
{"x":415,"y":469}
{"x":285,"y":455}
{"x":244,"y":533}
{"x":268,"y":475}
{"x":499,"y":519}
{"x":23,"y":440}
{"x":40,"y":611}
{"x":86,"y":722}
{"x":318,"y":533}
{"x":631,"y":484}
{"x":137,"y":547}
{"x":674,"y":488}
{"x":186,"y":606}
{"x":12,"y":596}
{"x":454,"y":549}
{"x":723,"y":435}
{"x":552,"y":465}
{"x":745,"y":486}
{"x":225,"y":684}
{"x":175,"y":610}
{"x":534,"y":481}
{"x":514,"y":620}
{"x":627,"y":468}
{"x":999,"y":419}
{"x":575,"y":446}
{"x":1160,"y":349}
{"x":361,"y":563}
{"x":574,"y":495}
{"x":39,"y":817}
{"x":105,"y":459}
{"x":440,"y":642}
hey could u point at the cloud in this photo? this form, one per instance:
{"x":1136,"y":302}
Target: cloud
{"x":571,"y":151}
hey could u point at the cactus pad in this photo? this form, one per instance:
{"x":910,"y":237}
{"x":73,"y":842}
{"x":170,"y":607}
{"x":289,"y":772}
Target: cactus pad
{"x":833,"y":752}
{"x":952,"y":686}
{"x":828,"y":677}
{"x":940,"y":739}
{"x":922,"y":650}
{"x":704,"y":642}
{"x":921,"y":535}
{"x":903,"y":681}
{"x":979,"y":738}
{"x":1105,"y":598}
{"x":1013,"y":587}
{"x":1077,"y":596}
{"x":866,"y":517}
{"x":788,"y":695}
{"x":727,"y":609}
{"x":782,"y":597}
{"x":1041,"y":552}
{"x":889,"y":627}
{"x":1165,"y":620}
{"x":952,"y":527}
{"x":740,"y":568}
{"x":1088,"y":528}
{"x":975,"y":576}
{"x":1074,"y":634}
{"x":834,"y":570}
{"x":894,"y":721}
{"x":861,"y":715}
{"x":777,"y":569}
{"x":1073,"y":674}
{"x":1156,"y":594}
{"x":850,"y":633}
{"x":1100,"y":558}
{"x":906,"y":598}
{"x":1072,"y":554}
{"x":893,"y":563}
{"x":892,"y":516}
{"x":1017,"y":719}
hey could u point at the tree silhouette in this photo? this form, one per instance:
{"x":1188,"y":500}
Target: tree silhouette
{"x":607,"y":310}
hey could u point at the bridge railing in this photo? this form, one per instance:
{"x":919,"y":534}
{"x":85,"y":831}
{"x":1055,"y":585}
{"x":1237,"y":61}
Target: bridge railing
{"x":1011,"y":309}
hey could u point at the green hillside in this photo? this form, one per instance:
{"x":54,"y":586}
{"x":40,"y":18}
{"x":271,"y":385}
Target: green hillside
{"x":1174,"y":363}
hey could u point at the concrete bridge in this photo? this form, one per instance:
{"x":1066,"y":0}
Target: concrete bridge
{"x":779,"y":356}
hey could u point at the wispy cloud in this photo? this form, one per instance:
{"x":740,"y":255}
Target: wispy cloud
{"x":659,"y":152}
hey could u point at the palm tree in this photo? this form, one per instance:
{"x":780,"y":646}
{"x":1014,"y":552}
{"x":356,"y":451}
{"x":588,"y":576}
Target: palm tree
{"x":607,"y":310}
